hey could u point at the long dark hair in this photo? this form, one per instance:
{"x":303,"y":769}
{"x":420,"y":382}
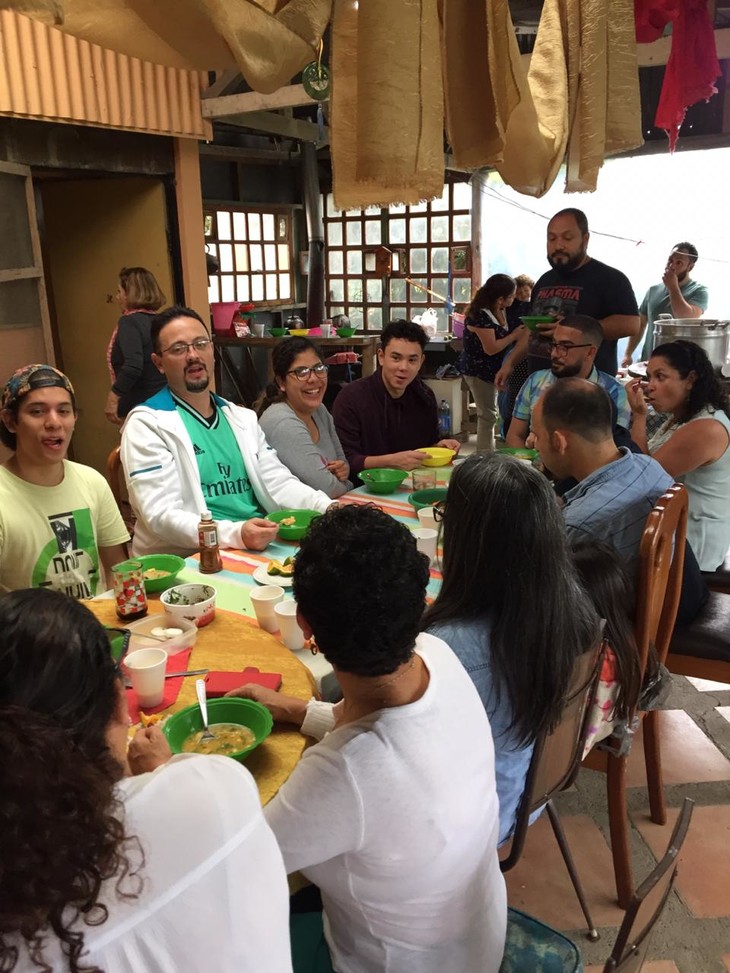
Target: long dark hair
{"x":610,"y":587}
{"x":686,"y":357}
{"x":62,"y":833}
{"x":496,"y":286}
{"x":283,"y":356}
{"x":506,"y":558}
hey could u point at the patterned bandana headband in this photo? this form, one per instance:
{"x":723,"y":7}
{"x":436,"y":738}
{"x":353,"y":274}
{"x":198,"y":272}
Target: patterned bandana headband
{"x":33,"y":377}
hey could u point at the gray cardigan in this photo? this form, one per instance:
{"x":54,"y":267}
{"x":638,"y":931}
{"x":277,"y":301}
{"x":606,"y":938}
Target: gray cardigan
{"x":286,"y":432}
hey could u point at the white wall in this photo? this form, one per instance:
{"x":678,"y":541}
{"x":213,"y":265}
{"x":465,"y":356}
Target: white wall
{"x":657,"y":200}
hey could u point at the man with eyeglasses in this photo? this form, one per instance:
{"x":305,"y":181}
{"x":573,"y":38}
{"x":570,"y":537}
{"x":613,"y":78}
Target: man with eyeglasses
{"x":573,"y":349}
{"x":187,"y":450}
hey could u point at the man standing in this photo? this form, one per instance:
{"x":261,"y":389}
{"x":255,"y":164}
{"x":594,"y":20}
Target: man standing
{"x":576,"y":284}
{"x":616,"y":489}
{"x":383,"y":419}
{"x":573,"y":351}
{"x":187,"y":450}
{"x":677,"y":295}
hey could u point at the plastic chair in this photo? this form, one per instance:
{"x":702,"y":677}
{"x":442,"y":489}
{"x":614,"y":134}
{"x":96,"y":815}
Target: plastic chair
{"x":661,"y":561}
{"x":554,"y":766}
{"x":648,"y":903}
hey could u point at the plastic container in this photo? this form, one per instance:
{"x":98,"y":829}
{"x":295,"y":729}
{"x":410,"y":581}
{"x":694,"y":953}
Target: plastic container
{"x":170,"y":563}
{"x":438,"y":456}
{"x":427,"y":498}
{"x":444,"y":419}
{"x":382,"y":480}
{"x":245,"y":712}
{"x":297,"y":530}
{"x":223,"y":312}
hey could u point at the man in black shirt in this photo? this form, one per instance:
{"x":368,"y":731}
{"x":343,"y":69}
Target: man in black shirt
{"x":576,"y":284}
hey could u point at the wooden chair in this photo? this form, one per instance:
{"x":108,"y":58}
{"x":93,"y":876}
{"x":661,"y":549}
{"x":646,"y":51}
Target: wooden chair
{"x":648,"y":903}
{"x":661,"y":561}
{"x":532,"y":946}
{"x":554,"y":766}
{"x":115,"y":479}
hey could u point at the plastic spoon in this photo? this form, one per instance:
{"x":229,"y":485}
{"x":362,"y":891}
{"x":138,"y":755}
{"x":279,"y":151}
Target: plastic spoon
{"x":203,"y":704}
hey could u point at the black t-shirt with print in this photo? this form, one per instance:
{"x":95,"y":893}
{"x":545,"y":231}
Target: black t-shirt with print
{"x":595,"y":289}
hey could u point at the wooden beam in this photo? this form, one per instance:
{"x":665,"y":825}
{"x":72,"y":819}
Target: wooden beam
{"x":235,"y":153}
{"x":269,"y":121}
{"x":224,"y":82}
{"x":651,"y":55}
{"x":290,"y":96}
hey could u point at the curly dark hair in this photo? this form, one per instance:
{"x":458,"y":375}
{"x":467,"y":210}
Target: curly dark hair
{"x":283,"y":357}
{"x":62,"y":832}
{"x":360,"y":582}
{"x":686,"y":357}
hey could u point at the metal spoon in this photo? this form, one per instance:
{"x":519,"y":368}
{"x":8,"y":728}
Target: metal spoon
{"x":203,"y":704}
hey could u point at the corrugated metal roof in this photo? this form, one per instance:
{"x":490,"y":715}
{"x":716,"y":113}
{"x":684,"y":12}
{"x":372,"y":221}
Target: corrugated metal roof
{"x":50,"y":76}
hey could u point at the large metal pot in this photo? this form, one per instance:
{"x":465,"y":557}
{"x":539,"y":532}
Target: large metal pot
{"x":711,"y":335}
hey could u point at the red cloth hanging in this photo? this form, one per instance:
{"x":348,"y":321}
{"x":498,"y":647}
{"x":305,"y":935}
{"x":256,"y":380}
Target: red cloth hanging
{"x":652,"y":16}
{"x":692,"y":68}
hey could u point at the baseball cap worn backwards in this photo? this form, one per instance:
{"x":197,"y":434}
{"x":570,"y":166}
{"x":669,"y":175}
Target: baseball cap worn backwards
{"x":32,"y":377}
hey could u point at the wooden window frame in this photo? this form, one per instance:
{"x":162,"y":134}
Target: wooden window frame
{"x":214,"y":242}
{"x":410,"y":306}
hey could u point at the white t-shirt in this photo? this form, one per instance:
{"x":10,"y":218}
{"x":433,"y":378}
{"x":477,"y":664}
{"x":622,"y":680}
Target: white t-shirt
{"x":395,"y":818}
{"x":215,"y":893}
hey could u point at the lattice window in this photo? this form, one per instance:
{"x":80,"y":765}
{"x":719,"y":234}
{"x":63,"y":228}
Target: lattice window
{"x":421,"y":236}
{"x":254,"y":253}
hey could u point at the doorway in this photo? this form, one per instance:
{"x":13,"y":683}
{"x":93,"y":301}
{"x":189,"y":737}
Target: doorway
{"x":91,"y":228}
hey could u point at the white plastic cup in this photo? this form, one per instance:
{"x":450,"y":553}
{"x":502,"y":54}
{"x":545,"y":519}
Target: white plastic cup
{"x":426,"y":518}
{"x":291,"y":635}
{"x":146,"y":669}
{"x":258,"y":330}
{"x":326,"y":330}
{"x":426,"y":538}
{"x":264,"y":600}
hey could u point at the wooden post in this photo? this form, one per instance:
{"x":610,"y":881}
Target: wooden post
{"x":189,"y":199}
{"x":315,"y":232}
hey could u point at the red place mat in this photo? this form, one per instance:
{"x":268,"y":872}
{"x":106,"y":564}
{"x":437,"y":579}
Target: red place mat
{"x":175,"y":663}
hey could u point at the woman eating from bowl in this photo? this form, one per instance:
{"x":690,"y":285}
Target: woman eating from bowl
{"x":510,"y":607}
{"x":393,"y":814}
{"x":297,"y":424}
{"x":487,"y":336}
{"x":692,"y":445}
{"x":102,"y":871}
{"x":134,"y":377}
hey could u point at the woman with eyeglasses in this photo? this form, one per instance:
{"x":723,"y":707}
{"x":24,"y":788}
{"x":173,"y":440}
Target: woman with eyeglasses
{"x":297,"y":424}
{"x":511,"y":607}
{"x":102,"y":870}
{"x":134,"y":376}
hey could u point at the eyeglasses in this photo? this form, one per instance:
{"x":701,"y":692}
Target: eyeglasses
{"x":561,"y":348}
{"x":302,"y":373}
{"x":180,"y":348}
{"x":439,"y":511}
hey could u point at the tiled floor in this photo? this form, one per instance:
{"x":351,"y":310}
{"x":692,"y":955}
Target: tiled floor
{"x":694,"y":933}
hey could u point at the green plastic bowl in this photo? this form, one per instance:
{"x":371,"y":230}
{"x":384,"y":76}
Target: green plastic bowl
{"x":533,"y":321}
{"x":161,"y":562}
{"x":297,"y":530}
{"x":245,"y":712}
{"x":346,"y":332}
{"x":382,"y":481}
{"x":519,"y":452}
{"x":427,"y":498}
{"x":278,"y":332}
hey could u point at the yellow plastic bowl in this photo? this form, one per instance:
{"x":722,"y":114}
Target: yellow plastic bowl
{"x":438,"y":456}
{"x":299,"y":332}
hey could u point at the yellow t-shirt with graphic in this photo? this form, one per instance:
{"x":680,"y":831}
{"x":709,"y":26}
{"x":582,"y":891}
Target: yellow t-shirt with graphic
{"x":50,"y":536}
